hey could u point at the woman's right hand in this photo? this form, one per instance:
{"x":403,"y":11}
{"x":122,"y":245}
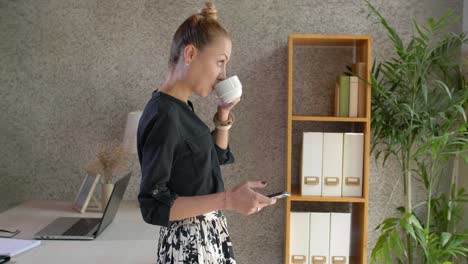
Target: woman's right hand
{"x":244,"y":200}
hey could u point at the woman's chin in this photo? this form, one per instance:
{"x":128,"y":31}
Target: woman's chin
{"x":207,"y":93}
{"x":204,"y":93}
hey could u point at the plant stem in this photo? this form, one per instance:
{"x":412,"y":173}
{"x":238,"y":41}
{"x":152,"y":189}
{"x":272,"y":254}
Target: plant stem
{"x":409,"y":248}
{"x":453,"y":199}
{"x":409,"y":206}
{"x":429,"y":196}
{"x":428,"y":219}
{"x":409,"y":209}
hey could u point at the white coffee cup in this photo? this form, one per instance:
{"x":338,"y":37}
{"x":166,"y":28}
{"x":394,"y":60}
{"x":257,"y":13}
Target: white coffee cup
{"x":228,"y":89}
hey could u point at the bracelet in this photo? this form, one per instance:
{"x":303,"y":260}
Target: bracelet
{"x":223,"y":125}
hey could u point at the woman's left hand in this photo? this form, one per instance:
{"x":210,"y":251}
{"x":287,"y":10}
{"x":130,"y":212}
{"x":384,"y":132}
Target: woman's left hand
{"x":224,"y":109}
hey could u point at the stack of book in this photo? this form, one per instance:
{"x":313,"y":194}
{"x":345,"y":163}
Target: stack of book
{"x":350,"y":93}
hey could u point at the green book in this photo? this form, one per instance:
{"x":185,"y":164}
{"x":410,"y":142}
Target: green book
{"x":344,"y":96}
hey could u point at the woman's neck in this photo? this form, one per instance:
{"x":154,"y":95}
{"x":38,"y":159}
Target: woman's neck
{"x":177,"y":89}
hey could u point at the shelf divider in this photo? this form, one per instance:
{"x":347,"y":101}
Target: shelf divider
{"x":296,"y":196}
{"x":330,"y":119}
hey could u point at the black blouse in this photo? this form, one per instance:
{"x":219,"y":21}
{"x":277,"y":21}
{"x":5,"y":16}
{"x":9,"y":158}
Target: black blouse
{"x":178,"y":157}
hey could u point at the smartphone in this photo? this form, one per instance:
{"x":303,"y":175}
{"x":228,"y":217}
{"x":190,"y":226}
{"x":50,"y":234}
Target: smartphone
{"x":279,"y":195}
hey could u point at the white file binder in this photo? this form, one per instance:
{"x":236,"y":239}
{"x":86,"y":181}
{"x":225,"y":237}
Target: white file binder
{"x":332,"y":164}
{"x":353,"y":146}
{"x":319,"y":249}
{"x":340,"y":236}
{"x":311,"y":173}
{"x":299,"y":238}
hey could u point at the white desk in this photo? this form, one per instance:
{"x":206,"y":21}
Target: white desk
{"x":128,"y":239}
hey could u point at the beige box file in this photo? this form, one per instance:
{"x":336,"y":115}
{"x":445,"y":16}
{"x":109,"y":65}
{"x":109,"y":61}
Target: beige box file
{"x":311,"y":172}
{"x":340,"y":236}
{"x":353,"y":147}
{"x":319,"y":248}
{"x":332,"y":164}
{"x":299,"y":238}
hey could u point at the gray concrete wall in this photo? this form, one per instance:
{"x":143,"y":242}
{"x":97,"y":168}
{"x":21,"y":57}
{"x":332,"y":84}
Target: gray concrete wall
{"x":70,"y":72}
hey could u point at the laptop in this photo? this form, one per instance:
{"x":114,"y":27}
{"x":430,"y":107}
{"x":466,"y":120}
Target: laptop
{"x":80,"y":228}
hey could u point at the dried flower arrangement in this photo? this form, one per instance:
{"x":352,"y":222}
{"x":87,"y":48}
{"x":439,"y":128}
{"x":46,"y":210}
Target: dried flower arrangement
{"x":110,"y":160}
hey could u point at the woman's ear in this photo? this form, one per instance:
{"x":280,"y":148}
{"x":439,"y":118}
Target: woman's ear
{"x":189,"y":53}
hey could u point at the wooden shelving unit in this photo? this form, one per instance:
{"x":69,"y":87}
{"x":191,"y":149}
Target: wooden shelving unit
{"x":361,"y":46}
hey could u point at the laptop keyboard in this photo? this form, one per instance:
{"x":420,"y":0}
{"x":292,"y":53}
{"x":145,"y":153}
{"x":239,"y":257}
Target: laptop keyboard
{"x":82,"y":227}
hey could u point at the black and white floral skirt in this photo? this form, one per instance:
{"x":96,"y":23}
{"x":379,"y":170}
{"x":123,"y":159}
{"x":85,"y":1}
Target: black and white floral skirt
{"x":200,"y":239}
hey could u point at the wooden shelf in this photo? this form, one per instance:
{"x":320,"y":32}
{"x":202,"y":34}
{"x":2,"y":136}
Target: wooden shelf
{"x":330,"y":119}
{"x":362,"y":51}
{"x":296,"y":196}
{"x":328,"y":40}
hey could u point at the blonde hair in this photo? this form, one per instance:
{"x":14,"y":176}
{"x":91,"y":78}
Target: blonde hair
{"x":199,"y":30}
{"x":209,"y":11}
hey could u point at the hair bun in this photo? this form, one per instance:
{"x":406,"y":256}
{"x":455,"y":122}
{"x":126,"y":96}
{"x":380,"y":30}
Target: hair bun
{"x":209,"y":11}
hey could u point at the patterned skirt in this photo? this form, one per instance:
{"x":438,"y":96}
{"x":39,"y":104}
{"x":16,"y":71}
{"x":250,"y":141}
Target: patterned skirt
{"x":202,"y":239}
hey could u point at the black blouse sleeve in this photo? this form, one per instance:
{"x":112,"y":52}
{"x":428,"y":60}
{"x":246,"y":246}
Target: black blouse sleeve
{"x":157,"y":152}
{"x":224,"y":155}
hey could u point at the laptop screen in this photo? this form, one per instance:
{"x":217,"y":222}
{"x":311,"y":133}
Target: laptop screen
{"x":114,"y":202}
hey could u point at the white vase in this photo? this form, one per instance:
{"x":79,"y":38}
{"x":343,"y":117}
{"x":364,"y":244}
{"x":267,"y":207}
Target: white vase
{"x":106,"y":191}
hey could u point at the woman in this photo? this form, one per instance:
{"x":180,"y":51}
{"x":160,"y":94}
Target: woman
{"x":182,"y":189}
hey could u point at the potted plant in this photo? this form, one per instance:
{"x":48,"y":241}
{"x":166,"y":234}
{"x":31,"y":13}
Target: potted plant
{"x":419,"y":102}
